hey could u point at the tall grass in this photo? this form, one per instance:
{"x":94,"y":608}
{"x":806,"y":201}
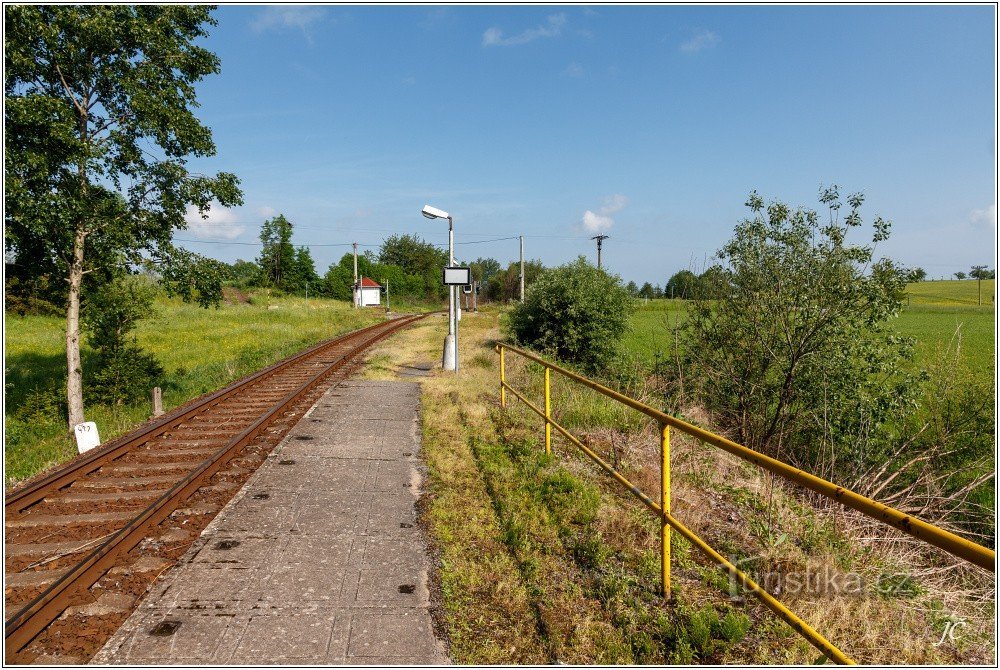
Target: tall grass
{"x":201,"y":350}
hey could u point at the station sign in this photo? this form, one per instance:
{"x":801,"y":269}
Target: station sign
{"x":456,"y":276}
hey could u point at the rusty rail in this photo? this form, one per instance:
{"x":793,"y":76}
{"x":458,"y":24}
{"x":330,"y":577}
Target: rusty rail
{"x":36,"y":615}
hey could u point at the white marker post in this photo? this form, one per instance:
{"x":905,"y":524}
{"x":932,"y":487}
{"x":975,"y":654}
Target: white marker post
{"x":86,"y":436}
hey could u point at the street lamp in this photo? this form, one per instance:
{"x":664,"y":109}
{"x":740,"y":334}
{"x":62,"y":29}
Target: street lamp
{"x":449,"y":360}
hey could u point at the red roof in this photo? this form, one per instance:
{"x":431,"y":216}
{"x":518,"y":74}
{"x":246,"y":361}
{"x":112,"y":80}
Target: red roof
{"x":368,"y":283}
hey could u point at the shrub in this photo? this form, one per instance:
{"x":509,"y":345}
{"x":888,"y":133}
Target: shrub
{"x":799,"y":356}
{"x":574,"y":312}
{"x":124,"y":371}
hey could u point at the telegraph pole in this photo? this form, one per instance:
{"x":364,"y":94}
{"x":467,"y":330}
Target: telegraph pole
{"x":354,"y":297}
{"x":521,"y":237}
{"x":599,"y":238}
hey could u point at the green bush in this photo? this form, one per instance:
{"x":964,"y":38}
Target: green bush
{"x":576,"y":313}
{"x":799,"y":357}
{"x":124,"y":371}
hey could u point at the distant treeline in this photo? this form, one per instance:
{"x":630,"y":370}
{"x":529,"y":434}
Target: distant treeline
{"x":406,"y":264}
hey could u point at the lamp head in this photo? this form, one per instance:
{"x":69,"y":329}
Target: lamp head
{"x":434,"y":213}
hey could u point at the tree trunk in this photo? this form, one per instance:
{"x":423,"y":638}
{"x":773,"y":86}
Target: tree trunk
{"x":74,"y":367}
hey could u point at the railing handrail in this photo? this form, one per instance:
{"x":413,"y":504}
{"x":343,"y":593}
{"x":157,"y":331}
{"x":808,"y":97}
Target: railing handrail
{"x":929,"y":533}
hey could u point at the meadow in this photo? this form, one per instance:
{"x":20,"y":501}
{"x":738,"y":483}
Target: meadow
{"x":200,"y":350}
{"x":936,"y":312}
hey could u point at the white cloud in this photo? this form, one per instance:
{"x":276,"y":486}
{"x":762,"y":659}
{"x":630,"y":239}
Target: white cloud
{"x":288,"y":17}
{"x":267,"y":212}
{"x":573,"y":70}
{"x":493,"y":37}
{"x":602,"y":219}
{"x":703,"y":39}
{"x":220,"y":224}
{"x":986,"y":217}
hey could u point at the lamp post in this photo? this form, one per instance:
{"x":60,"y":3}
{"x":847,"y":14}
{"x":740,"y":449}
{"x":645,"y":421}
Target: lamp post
{"x":449,"y":360}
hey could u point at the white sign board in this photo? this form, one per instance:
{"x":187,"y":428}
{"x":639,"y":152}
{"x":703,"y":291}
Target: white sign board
{"x":86,"y":436}
{"x":457,"y":276}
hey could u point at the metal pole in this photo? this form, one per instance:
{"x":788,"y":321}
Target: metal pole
{"x":454,"y":295}
{"x":355,"y":296}
{"x":503,"y":380}
{"x":548,"y":413}
{"x":665,"y":506}
{"x":521,"y":237}
{"x":475,"y":296}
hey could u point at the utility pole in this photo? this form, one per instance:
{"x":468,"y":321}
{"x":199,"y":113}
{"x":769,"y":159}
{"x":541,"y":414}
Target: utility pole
{"x":521,"y":237}
{"x":599,"y":238}
{"x":355,"y":296}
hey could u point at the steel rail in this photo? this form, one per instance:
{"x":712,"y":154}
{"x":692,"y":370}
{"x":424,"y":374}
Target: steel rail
{"x":954,"y":544}
{"x":36,"y":615}
{"x":34,"y":490}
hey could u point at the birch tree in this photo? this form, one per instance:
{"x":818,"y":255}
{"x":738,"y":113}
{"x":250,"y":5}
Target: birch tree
{"x":99,"y":128}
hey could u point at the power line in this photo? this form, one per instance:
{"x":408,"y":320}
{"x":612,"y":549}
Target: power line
{"x":260,"y":244}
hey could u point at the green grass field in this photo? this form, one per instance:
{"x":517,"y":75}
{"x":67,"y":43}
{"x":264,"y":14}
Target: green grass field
{"x":952,"y":293}
{"x":937,"y":311}
{"x":201,"y":350}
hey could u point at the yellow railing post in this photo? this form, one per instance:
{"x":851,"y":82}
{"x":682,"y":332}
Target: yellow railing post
{"x":665,"y":507}
{"x":548,"y":413}
{"x":503,"y":380}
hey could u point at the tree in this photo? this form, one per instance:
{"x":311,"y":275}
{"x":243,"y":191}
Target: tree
{"x":506,"y":286}
{"x":277,"y":257}
{"x":244,"y":274}
{"x":647,"y":291}
{"x":418,"y":258}
{"x":632,"y":288}
{"x":304,"y":273}
{"x":799,"y":358}
{"x":124,"y":371}
{"x":713,"y":284}
{"x":682,"y":284}
{"x":959,"y":275}
{"x":88,"y":91}
{"x":484,"y":269}
{"x":981,"y":272}
{"x":576,"y":313}
{"x":194,"y":277}
{"x":917,"y":275}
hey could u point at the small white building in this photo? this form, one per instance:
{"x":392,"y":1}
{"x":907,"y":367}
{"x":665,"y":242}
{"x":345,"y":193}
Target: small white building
{"x":367,"y":293}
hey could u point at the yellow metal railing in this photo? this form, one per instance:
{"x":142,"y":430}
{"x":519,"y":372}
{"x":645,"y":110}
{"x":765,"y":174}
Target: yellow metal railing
{"x":954,"y":544}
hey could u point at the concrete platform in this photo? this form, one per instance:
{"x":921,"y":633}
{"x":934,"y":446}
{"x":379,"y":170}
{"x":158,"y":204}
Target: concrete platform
{"x":318,"y":560}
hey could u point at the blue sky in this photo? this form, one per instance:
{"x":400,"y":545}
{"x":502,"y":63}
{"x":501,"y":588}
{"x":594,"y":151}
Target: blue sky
{"x":648,"y":124}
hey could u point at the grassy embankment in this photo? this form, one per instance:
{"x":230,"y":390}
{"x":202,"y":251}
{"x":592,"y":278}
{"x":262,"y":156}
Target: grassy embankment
{"x":200,"y":349}
{"x":545,"y":559}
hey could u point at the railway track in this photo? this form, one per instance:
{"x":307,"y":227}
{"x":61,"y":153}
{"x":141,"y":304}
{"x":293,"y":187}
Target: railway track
{"x":84,"y":542}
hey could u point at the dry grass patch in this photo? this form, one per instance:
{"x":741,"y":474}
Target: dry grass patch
{"x":546,"y":559}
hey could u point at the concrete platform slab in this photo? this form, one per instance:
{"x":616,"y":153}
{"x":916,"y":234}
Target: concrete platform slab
{"x":318,"y":560}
